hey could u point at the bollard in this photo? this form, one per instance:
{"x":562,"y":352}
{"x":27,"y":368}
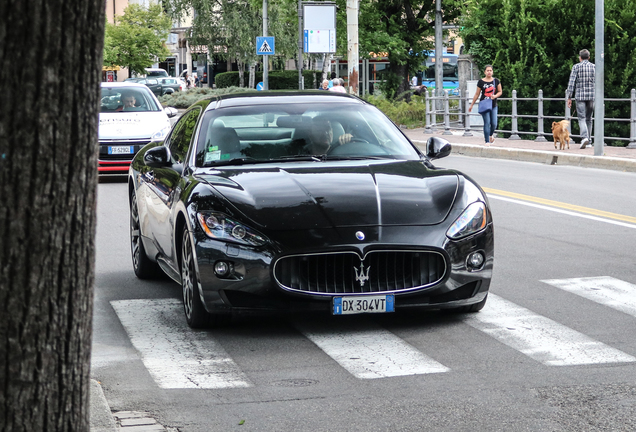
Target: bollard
{"x":632,"y":121}
{"x":540,"y":137}
{"x":427,"y":128}
{"x":447,"y":130}
{"x":515,"y":131}
{"x":464,"y":97}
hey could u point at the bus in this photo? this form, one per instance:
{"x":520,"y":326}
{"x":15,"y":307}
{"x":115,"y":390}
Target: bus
{"x":426,"y":73}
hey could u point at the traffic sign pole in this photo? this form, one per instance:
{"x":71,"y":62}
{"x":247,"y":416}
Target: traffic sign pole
{"x":265,"y":58}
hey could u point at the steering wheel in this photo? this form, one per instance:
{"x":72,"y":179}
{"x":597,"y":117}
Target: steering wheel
{"x":358,"y":147}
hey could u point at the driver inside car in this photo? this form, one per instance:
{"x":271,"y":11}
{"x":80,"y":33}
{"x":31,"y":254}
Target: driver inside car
{"x":322,"y":136}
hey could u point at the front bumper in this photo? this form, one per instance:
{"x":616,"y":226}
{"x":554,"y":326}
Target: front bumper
{"x":253,"y":287}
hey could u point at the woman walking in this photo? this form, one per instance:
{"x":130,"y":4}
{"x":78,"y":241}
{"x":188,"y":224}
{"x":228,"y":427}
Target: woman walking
{"x":489,"y":88}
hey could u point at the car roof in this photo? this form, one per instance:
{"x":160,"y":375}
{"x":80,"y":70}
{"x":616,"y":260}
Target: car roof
{"x":281,"y":97}
{"x":128,"y":84}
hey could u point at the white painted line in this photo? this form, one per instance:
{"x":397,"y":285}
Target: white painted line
{"x":567,"y":212}
{"x":540,"y":338}
{"x":368,"y":351}
{"x":175,"y":355}
{"x":606,"y":290}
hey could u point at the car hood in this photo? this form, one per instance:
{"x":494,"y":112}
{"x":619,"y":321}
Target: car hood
{"x":131,"y":125}
{"x":324,"y":195}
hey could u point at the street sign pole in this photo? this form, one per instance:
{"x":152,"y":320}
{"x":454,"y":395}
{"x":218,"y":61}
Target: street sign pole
{"x":599,"y":90}
{"x":265,"y":58}
{"x":300,"y":45}
{"x":352,"y":48}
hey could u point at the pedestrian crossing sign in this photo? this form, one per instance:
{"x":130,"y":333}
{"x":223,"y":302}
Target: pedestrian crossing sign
{"x":265,"y":45}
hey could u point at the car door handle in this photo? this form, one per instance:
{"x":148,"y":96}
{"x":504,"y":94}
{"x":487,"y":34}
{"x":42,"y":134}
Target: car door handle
{"x":150,"y":175}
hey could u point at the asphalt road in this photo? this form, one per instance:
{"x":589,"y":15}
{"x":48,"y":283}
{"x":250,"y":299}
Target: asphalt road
{"x":553,"y":350}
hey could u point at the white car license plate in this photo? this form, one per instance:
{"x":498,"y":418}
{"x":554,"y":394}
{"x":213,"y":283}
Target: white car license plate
{"x":363,"y":304}
{"x":120,"y":150}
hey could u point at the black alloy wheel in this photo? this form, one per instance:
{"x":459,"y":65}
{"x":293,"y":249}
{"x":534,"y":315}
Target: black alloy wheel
{"x":196,"y":315}
{"x":144,"y":267}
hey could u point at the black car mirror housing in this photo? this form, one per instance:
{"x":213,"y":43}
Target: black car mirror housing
{"x":157,"y":157}
{"x":437,"y":148}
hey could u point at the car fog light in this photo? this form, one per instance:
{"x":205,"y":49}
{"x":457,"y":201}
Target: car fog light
{"x":222,"y":269}
{"x":475,"y":260}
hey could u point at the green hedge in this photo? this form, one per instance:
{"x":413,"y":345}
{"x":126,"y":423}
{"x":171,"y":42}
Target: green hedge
{"x":278,"y":80}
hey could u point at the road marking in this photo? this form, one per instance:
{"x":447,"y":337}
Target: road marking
{"x":606,"y":290}
{"x":176,"y":356}
{"x":368,"y":351}
{"x":551,"y":205}
{"x":540,"y":338}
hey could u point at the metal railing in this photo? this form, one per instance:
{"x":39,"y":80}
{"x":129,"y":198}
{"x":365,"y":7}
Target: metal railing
{"x":461,"y":118}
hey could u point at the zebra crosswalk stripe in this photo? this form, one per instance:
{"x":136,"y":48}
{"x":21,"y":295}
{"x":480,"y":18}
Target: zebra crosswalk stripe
{"x":605,"y":290}
{"x":174,"y":356}
{"x":541,"y":338}
{"x":368,"y":351}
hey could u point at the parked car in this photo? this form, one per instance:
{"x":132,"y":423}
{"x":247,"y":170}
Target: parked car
{"x":306,"y":201}
{"x":169,"y":85}
{"x":125,"y":126}
{"x":156,"y":72}
{"x":152,"y":83}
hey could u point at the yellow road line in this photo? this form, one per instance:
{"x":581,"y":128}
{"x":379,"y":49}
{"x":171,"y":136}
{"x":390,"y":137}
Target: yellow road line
{"x":558,"y":204}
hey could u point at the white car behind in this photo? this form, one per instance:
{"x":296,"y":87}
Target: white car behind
{"x":130,"y":117}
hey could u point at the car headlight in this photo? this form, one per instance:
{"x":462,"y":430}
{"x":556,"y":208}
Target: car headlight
{"x":161,"y":134}
{"x":220,"y":227}
{"x":472,"y":220}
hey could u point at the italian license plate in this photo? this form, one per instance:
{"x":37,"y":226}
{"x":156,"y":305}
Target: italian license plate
{"x":363,"y":304}
{"x":120,"y":150}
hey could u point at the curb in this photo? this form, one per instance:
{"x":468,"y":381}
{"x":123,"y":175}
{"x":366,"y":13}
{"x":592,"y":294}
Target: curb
{"x":101,"y":419}
{"x":543,"y":157}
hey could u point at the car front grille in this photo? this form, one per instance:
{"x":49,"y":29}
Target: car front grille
{"x":344,"y":273}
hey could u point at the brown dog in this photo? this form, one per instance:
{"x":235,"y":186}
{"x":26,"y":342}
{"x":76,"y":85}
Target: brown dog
{"x":560,"y":133}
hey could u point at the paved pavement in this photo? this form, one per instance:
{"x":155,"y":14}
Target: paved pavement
{"x":614,"y":158}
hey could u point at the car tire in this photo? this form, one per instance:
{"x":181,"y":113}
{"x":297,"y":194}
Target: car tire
{"x":196,"y":315}
{"x":143,"y":266}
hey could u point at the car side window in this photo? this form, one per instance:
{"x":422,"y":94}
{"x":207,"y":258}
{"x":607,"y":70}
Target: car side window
{"x":182,"y":135}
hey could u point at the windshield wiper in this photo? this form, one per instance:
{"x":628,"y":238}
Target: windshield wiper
{"x":345,"y":157}
{"x":235,"y":161}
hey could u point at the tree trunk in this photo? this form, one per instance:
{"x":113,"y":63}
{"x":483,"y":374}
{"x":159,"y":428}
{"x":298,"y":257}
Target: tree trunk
{"x":326,"y":66}
{"x":51,"y":69}
{"x":252,"y":83}
{"x":241,"y":68}
{"x":405,"y":85}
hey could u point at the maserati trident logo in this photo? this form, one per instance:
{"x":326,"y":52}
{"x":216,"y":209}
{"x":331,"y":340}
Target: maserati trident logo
{"x":361,"y":276}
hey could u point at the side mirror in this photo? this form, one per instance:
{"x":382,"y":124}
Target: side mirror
{"x":157,"y":157}
{"x":170,"y":112}
{"x":437,"y":148}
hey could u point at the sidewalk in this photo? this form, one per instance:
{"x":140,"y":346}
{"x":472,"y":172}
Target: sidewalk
{"x":614,"y":158}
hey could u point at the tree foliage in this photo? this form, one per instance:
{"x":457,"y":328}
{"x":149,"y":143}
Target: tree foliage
{"x":137,"y":39}
{"x":229,"y":27}
{"x":400,"y":28}
{"x":533,"y":45}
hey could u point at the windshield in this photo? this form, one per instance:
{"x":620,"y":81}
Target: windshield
{"x":287,"y":132}
{"x":125,"y":99}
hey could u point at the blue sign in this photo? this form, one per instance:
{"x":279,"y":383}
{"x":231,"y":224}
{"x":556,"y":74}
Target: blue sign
{"x":265,"y":45}
{"x":259,"y":86}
